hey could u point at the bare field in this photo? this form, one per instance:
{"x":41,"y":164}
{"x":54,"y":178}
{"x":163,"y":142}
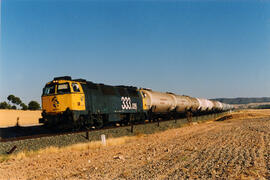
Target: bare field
{"x":10,"y":117}
{"x":249,"y":114}
{"x":238,"y":147}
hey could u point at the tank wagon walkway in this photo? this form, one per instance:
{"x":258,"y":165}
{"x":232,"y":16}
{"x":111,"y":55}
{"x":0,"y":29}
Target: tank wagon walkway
{"x":234,"y":148}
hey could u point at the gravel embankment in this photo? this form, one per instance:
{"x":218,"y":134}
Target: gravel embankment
{"x":65,"y":140}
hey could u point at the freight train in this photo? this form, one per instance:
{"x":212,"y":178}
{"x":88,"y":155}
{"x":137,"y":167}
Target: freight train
{"x":70,"y":103}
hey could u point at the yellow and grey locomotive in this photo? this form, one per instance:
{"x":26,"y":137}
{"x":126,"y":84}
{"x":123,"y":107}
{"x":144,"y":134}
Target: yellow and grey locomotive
{"x":68,"y":103}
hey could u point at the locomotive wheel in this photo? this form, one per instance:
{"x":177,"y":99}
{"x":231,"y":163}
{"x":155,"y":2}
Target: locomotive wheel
{"x":89,"y":121}
{"x":78,"y":125}
{"x":98,"y":122}
{"x":81,"y":122}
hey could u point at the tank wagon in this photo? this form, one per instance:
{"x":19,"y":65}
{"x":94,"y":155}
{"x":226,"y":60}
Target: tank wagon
{"x":183,"y":103}
{"x":158,"y":104}
{"x":170,"y":105}
{"x":69,"y":103}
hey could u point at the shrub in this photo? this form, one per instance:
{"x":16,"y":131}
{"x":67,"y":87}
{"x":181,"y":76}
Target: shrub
{"x":33,"y":105}
{"x":4,"y":105}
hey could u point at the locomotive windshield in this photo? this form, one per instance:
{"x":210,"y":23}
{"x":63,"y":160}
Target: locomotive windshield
{"x":49,"y":89}
{"x":63,"y":88}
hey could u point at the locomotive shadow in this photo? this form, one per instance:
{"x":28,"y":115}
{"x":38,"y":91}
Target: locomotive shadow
{"x":20,"y":131}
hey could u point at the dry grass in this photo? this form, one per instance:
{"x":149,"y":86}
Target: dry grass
{"x":11,"y":117}
{"x":75,"y":147}
{"x":98,"y":144}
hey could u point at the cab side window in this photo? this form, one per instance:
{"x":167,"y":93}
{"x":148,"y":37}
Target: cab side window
{"x":75,"y":87}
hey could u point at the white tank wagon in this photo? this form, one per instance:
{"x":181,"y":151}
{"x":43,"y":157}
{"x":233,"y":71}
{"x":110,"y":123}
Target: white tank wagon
{"x":168,"y":105}
{"x":210,"y":105}
{"x":203,"y":104}
{"x":224,"y":107}
{"x":217,"y":106}
{"x":158,"y":102}
{"x":227,"y":107}
{"x":183,"y":103}
{"x":194,"y":104}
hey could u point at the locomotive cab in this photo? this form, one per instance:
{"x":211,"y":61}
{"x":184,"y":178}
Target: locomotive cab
{"x":61,"y":95}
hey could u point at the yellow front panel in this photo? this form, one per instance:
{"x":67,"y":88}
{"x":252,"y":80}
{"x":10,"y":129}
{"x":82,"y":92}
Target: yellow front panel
{"x":56,"y":103}
{"x":64,"y":101}
{"x":47,"y":104}
{"x":59,"y":103}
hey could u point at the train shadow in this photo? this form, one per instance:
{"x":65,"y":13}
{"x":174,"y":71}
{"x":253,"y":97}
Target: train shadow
{"x":19,"y":131}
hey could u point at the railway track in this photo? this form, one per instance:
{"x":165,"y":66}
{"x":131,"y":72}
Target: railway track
{"x":87,"y":130}
{"x":73,"y":132}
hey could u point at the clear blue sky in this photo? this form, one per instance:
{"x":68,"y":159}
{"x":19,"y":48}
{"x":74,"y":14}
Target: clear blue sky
{"x":199,"y":48}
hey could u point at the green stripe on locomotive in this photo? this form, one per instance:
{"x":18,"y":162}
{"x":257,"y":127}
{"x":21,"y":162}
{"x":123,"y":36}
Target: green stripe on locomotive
{"x":113,"y":101}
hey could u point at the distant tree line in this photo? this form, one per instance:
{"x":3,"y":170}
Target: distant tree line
{"x":263,"y":106}
{"x":16,"y":103}
{"x":243,"y":100}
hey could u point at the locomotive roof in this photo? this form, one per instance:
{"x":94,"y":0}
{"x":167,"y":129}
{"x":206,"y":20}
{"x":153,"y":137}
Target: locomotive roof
{"x":68,"y":78}
{"x":118,"y":86}
{"x":62,"y":78}
{"x":128,"y":87}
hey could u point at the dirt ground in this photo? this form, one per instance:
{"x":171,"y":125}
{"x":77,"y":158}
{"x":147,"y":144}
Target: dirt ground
{"x":10,"y":117}
{"x":238,"y":147}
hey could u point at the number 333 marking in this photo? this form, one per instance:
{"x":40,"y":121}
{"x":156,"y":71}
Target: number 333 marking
{"x":126,"y":102}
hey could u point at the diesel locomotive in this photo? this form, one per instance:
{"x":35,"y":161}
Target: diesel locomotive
{"x":75,"y":103}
